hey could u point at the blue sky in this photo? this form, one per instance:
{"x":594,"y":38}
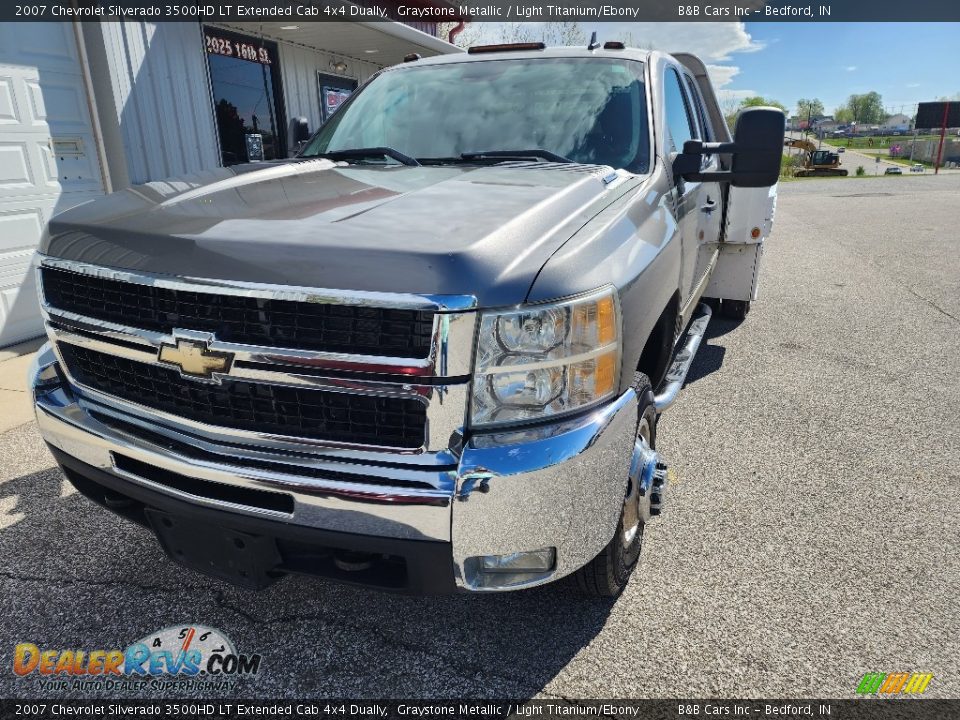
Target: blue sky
{"x":905,"y":62}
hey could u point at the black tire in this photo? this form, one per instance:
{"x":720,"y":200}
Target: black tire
{"x":735,"y":309}
{"x":608,"y":573}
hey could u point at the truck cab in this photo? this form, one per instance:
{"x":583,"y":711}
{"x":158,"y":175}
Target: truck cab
{"x":427,"y":354}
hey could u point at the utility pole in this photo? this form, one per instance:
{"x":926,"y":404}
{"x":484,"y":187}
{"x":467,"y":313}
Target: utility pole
{"x":943,"y":134}
{"x":916,"y":131}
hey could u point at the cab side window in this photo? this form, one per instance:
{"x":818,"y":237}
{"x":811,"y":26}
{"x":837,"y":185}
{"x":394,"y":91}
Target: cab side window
{"x":701,"y":115}
{"x":680,"y":124}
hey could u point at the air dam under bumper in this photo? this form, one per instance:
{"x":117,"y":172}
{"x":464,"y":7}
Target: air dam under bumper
{"x":559,"y":486}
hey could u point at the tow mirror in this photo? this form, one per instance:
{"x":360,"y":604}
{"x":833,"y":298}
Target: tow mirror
{"x":756,"y":149}
{"x":758,"y":136}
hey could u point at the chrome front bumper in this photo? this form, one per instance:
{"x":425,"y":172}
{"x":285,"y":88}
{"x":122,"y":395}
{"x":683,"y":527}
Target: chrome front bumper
{"x":559,"y":486}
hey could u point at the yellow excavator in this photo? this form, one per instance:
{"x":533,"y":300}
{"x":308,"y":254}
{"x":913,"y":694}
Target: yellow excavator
{"x":816,"y":163}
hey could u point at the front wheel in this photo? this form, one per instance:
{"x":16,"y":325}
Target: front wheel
{"x":607,"y":574}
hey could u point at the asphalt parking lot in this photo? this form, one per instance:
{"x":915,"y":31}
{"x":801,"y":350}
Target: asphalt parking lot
{"x":813,"y":533}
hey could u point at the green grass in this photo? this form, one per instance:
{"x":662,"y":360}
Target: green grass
{"x":883,"y":141}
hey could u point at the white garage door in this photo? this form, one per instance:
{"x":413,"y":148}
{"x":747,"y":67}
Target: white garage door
{"x":48,"y":161}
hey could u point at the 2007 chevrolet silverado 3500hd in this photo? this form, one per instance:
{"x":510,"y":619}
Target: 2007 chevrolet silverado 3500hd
{"x":429,"y":352}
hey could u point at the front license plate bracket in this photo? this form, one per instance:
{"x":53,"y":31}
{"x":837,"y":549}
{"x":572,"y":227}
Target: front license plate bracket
{"x":231,"y":555}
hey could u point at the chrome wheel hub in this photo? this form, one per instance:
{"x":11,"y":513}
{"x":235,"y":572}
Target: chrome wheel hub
{"x":646,"y":486}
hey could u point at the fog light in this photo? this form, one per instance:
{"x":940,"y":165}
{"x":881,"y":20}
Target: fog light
{"x":533,"y":561}
{"x":492,"y":572}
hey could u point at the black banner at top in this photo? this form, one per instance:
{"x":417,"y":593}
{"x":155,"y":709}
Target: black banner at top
{"x":593,"y":11}
{"x":677,"y":709}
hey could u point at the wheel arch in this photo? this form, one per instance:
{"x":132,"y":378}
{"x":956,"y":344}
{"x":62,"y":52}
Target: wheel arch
{"x":654,"y":359}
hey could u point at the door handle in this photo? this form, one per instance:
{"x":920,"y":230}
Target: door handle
{"x":709,"y":206}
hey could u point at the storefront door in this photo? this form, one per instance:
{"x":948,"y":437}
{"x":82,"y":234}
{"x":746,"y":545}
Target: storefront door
{"x":244,"y":74}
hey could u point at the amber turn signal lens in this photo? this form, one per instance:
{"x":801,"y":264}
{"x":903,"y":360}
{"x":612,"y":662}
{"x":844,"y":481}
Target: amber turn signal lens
{"x":606,"y":321}
{"x":606,"y":380}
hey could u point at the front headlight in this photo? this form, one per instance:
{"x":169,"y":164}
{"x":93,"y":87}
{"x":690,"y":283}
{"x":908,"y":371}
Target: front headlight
{"x":546,"y":360}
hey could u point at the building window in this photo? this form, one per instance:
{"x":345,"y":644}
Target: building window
{"x":244,"y":75}
{"x":334,"y":90}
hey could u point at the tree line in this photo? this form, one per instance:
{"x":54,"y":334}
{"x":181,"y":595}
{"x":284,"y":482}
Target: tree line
{"x":864,"y":108}
{"x":861,"y":108}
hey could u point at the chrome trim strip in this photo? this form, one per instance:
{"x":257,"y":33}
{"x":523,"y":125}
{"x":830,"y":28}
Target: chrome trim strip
{"x":438,"y":478}
{"x":275,"y":481}
{"x":190,"y":497}
{"x":412,"y":390}
{"x":437,"y":303}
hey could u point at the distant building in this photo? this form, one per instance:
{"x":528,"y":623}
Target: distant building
{"x":896,"y":123}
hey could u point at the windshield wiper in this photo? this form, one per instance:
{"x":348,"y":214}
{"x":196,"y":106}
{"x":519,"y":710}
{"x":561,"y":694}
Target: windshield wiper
{"x":516,"y":154}
{"x":364,"y":153}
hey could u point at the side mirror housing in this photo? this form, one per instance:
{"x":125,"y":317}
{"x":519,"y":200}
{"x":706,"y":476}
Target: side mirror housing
{"x":756,"y":149}
{"x":758,"y":136}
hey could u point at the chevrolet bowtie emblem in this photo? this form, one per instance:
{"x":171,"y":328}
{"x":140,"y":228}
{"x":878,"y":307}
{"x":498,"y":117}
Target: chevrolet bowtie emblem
{"x":194,"y":359}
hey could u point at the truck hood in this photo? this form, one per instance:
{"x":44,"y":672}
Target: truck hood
{"x":484,"y":231}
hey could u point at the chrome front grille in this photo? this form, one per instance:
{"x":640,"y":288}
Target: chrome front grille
{"x":245,"y":319}
{"x":281,"y":387}
{"x":277,"y":409}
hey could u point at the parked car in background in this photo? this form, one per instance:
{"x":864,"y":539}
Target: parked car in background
{"x":893,"y":171}
{"x":841,"y":149}
{"x":916,"y":167}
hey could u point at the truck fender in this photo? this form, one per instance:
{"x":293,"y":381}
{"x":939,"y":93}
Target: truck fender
{"x":632,"y":244}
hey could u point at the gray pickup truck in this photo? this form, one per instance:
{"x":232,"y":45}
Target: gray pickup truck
{"x":429,"y":352}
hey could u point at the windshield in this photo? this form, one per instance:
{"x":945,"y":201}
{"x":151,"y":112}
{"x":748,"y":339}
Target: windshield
{"x":588,"y":110}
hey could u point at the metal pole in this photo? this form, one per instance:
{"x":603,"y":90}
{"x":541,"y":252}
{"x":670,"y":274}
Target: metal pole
{"x":943,"y":134}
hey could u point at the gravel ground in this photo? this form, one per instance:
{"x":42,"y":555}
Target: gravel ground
{"x":812,"y":534}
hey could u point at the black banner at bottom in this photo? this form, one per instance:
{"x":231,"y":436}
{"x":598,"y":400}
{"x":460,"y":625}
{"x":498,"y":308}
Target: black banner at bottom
{"x":872,"y":709}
